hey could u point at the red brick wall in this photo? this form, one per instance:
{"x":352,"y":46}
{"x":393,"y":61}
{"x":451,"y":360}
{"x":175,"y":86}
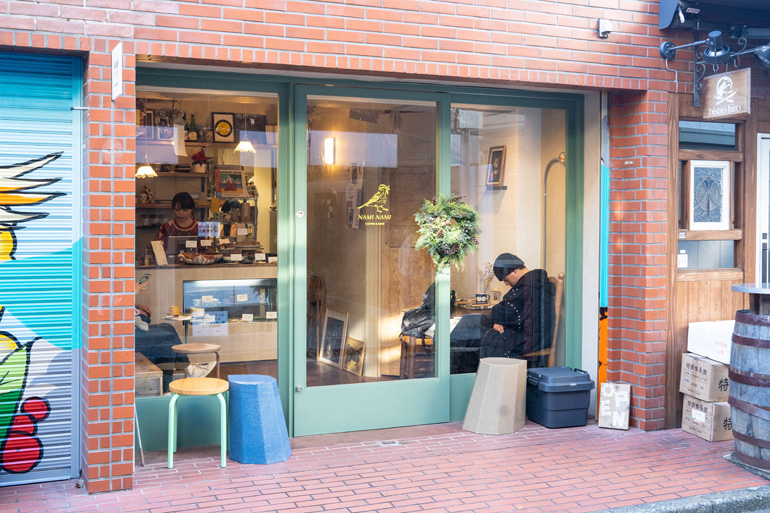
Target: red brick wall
{"x":637,"y":274}
{"x":107,"y":391}
{"x":534,"y":43}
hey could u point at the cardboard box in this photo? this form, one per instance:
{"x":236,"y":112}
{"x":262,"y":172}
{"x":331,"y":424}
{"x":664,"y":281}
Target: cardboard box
{"x":710,"y":421}
{"x":704,"y":378}
{"x":711,"y":339}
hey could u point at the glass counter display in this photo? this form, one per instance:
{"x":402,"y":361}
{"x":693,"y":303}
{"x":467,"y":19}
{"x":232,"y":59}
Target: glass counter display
{"x":227,"y":300}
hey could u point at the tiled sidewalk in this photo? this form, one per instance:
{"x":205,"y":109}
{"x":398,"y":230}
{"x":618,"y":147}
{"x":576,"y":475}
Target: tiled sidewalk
{"x":533,"y":470}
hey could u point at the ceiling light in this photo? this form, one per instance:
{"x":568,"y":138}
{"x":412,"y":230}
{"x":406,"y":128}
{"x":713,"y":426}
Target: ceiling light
{"x":145,"y":171}
{"x":245,"y":146}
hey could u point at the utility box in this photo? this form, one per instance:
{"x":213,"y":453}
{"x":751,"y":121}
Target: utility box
{"x":558,"y":396}
{"x":704,"y":378}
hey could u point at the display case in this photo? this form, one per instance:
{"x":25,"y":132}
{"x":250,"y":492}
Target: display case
{"x":228,"y":300}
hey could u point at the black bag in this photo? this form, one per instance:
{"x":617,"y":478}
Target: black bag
{"x":416,"y":322}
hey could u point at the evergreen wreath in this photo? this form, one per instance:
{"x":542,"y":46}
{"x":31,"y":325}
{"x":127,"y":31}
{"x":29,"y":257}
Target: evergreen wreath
{"x":448,"y":230}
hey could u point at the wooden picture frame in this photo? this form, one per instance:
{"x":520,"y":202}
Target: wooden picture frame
{"x":708,"y":194}
{"x":353,"y":356}
{"x":334,"y":335}
{"x":145,"y":124}
{"x":496,"y":166}
{"x":232,"y":184}
{"x":223,"y":127}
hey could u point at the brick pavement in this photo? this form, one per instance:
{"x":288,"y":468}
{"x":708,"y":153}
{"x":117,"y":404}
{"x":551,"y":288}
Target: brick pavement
{"x":535,"y":470}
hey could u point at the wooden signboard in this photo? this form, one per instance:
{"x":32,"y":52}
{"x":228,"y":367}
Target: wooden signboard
{"x":727,"y":94}
{"x":614,"y":405}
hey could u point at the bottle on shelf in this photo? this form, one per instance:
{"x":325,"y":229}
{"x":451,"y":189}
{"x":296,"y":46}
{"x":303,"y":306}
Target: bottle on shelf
{"x":192,"y":130}
{"x":186,"y":130}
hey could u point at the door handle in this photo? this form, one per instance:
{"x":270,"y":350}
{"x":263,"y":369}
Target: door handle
{"x":298,"y":388}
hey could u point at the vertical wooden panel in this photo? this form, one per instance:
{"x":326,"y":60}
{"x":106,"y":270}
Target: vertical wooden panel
{"x":674,"y":306}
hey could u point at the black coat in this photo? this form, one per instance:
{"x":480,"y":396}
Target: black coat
{"x":527,"y":315}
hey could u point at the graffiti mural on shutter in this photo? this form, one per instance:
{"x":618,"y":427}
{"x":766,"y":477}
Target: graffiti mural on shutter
{"x":39,"y":250}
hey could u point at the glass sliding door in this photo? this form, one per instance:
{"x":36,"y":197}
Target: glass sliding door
{"x":370,"y":165}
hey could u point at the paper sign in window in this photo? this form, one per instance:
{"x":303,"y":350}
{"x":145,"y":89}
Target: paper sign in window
{"x":271,"y":315}
{"x":240,"y":298}
{"x":247,"y":317}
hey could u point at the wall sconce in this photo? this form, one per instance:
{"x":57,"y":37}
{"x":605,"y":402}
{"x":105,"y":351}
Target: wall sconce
{"x":329,"y":151}
{"x":713,"y":51}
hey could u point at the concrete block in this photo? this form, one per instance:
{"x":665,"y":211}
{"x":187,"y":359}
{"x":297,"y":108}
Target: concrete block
{"x":498,"y":401}
{"x":258,"y":431}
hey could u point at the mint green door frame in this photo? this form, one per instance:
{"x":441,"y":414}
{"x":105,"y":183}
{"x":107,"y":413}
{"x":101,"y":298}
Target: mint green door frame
{"x":291,"y":293}
{"x":353,"y":407}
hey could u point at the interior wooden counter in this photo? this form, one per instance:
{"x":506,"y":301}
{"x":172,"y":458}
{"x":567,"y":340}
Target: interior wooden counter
{"x":240,"y":341}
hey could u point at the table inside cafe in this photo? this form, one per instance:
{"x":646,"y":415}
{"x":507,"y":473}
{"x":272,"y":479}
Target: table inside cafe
{"x":236,"y":302}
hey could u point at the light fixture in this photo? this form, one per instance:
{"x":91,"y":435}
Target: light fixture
{"x":145,"y":171}
{"x":762,"y":54}
{"x":329,"y":151}
{"x":713,"y":51}
{"x":604,"y":28}
{"x":245,"y":146}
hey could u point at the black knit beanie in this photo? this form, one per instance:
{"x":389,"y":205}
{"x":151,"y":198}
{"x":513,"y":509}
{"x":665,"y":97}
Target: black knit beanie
{"x":505,"y":264}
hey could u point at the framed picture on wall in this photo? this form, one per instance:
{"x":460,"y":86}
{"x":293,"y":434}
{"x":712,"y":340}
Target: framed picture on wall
{"x":335,"y":334}
{"x":495,"y":166}
{"x":231,"y":184}
{"x":223,"y":126}
{"x":708,"y":194}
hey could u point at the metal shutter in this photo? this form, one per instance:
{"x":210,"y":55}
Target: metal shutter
{"x":39,"y":266}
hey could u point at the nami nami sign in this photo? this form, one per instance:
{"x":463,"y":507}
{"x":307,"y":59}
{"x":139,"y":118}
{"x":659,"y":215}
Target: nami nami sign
{"x":727,"y":94}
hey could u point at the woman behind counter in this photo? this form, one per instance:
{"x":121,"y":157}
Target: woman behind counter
{"x":183,"y":224}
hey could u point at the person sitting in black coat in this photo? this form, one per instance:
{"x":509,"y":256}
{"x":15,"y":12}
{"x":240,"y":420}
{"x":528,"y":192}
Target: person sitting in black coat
{"x":522,"y":322}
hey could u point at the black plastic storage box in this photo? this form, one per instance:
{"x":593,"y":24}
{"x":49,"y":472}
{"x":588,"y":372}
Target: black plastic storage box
{"x":558,"y":396}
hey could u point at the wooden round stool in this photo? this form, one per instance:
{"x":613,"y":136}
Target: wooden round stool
{"x":199,"y":348}
{"x":197,"y":386}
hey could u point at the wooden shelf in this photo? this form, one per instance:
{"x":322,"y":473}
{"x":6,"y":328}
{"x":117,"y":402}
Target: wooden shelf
{"x":185,"y":175}
{"x":736,"y":234}
{"x":709,"y":274}
{"x":198,"y":204}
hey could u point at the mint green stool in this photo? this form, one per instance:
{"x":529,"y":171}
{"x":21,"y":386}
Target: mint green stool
{"x":197,"y":386}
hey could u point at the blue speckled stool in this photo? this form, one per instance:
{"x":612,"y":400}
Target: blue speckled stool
{"x":257,"y":427}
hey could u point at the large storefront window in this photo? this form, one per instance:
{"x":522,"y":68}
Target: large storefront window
{"x":509,"y":163}
{"x":371,"y":165}
{"x":206,"y":235}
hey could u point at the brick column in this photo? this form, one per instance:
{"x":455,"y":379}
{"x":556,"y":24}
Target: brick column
{"x":637,"y":274}
{"x":107,"y":386}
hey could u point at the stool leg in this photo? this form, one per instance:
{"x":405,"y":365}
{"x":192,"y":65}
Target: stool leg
{"x":172,"y":429}
{"x":138,"y":435}
{"x":223,"y":429}
{"x":218,"y":363}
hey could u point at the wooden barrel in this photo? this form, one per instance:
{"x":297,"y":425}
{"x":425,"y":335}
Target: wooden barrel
{"x":750,"y":388}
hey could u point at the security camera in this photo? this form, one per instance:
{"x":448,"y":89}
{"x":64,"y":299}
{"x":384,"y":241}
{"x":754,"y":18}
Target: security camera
{"x":605,"y":29}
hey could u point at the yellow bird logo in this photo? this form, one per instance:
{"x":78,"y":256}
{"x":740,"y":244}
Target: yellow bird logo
{"x":379,"y":199}
{"x":14,"y":192}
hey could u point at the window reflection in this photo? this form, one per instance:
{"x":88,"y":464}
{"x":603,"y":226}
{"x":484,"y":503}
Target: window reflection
{"x":508,"y":163}
{"x":363,"y":271}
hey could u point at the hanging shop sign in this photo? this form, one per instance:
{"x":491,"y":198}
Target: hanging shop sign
{"x":727,"y":94}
